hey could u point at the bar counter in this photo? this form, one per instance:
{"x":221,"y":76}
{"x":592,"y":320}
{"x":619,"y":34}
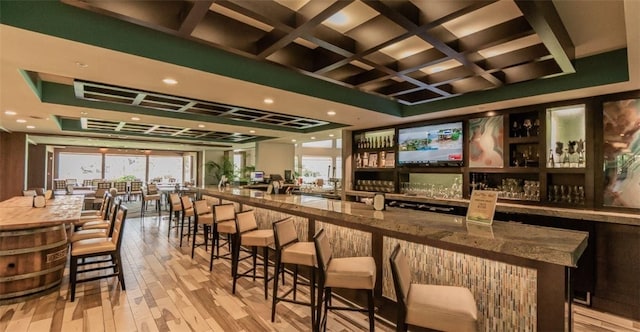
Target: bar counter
{"x":519,"y":274}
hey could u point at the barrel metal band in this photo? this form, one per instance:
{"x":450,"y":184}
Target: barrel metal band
{"x":31,"y":231}
{"x":32,"y":274}
{"x":30,"y":291}
{"x":32,"y":249}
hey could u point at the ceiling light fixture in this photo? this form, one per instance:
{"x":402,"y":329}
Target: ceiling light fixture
{"x":31,"y":127}
{"x":21,"y":121}
{"x":10,"y":113}
{"x":81,"y":64}
{"x":331,"y":135}
{"x":331,"y":113}
{"x":293,"y":140}
{"x":268,"y":101}
{"x":252,"y":131}
{"x":135,"y":118}
{"x":313,"y":137}
{"x":84,"y":113}
{"x":200,"y":126}
{"x":170,"y":81}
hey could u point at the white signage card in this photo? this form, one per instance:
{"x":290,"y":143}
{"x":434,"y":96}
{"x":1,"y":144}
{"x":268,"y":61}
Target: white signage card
{"x":482,"y":206}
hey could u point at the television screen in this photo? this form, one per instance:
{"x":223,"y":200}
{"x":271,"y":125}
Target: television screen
{"x":257,"y":176}
{"x":438,"y":144}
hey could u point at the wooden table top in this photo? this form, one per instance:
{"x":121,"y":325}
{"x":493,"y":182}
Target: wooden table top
{"x":18,"y":213}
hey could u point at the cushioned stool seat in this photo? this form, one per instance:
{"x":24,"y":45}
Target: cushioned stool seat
{"x":88,"y":234}
{"x":257,"y":238}
{"x":92,"y":246}
{"x":300,"y":253}
{"x":351,"y":272}
{"x":248,"y":235}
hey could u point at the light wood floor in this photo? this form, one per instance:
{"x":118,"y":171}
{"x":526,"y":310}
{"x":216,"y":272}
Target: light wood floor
{"x":168,"y":291}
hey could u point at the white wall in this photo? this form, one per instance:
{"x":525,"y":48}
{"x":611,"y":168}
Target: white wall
{"x":274,"y":158}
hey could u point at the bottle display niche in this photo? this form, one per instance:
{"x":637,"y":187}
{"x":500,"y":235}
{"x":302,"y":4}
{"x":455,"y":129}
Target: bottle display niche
{"x":375,"y":149}
{"x":517,"y":187}
{"x":566,"y":137}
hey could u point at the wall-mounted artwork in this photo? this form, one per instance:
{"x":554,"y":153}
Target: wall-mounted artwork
{"x":621,"y":122}
{"x":486,"y":142}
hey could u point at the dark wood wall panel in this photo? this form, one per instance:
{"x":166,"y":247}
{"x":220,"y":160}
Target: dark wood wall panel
{"x":37,"y":163}
{"x":12,"y":164}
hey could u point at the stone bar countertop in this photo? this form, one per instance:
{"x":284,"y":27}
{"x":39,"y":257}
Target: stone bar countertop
{"x":550,"y":245}
{"x":545,"y":211}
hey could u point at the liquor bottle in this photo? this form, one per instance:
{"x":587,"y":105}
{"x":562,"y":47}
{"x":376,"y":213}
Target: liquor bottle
{"x":515,"y":129}
{"x":551,"y":161}
{"x":393,"y":140}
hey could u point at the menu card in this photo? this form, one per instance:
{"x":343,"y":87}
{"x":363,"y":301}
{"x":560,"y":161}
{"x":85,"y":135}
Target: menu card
{"x":482,"y":206}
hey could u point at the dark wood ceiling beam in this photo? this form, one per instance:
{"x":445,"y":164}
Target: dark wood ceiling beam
{"x":303,"y":28}
{"x":192,"y":16}
{"x":268,"y":12}
{"x":435,"y":42}
{"x":496,"y":35}
{"x":544,"y":19}
{"x":516,"y":57}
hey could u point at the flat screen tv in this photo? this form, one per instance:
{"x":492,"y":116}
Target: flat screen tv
{"x":431,"y":145}
{"x":257,"y":176}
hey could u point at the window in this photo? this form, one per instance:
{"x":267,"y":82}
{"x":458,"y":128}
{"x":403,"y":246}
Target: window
{"x":120,"y":166}
{"x":315,"y":167}
{"x":318,"y":144}
{"x":80,"y":166}
{"x":165,"y":169}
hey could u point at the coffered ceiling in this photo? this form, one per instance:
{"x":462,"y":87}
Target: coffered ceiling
{"x":411,"y":51}
{"x":280,"y":70}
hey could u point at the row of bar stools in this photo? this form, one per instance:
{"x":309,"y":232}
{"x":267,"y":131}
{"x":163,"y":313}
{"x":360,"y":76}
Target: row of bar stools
{"x":289,"y":250}
{"x":248,"y":235}
{"x":224,"y":216}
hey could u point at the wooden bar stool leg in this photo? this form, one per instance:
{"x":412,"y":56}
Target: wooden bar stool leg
{"x":265,"y":261}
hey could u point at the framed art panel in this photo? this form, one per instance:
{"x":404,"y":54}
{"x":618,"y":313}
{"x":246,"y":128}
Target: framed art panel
{"x":486,"y":137}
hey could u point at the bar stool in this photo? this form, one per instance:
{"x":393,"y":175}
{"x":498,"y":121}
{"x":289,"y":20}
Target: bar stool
{"x":109,"y":246}
{"x":358,"y":273}
{"x":444,"y":308}
{"x":248,"y":235}
{"x":204,"y":218}
{"x":149,"y":197}
{"x":224,"y":216}
{"x":187,"y":212}
{"x":175,"y":209}
{"x":93,"y":222}
{"x":290,"y":251}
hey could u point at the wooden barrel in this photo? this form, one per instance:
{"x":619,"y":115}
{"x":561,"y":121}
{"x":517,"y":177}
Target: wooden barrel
{"x":31,"y":260}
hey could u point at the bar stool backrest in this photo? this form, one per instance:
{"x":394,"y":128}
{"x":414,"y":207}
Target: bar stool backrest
{"x":176,"y":204}
{"x":118,"y":226}
{"x":201,"y":207}
{"x":106,"y":204}
{"x":152,"y":189}
{"x":323,"y":249}
{"x":224,"y":212}
{"x":401,"y":274}
{"x":29,"y":193}
{"x":284,"y":232}
{"x":246,"y":221}
{"x":211,"y":200}
{"x":186,"y":203}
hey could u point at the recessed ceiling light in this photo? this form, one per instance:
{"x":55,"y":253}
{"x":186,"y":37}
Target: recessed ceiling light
{"x":268,"y":101}
{"x":491,"y":113}
{"x":313,"y":137}
{"x":200,"y":126}
{"x":331,"y":113}
{"x":84,"y":113}
{"x":10,"y":113}
{"x":21,"y":121}
{"x":293,"y":140}
{"x":81,"y":64}
{"x":135,"y":118}
{"x":252,"y":131}
{"x":31,"y":127}
{"x":170,"y":81}
{"x":331,"y":135}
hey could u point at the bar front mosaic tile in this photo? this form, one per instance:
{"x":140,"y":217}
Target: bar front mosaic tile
{"x":505,"y":294}
{"x":347,"y":242}
{"x":266,"y":218}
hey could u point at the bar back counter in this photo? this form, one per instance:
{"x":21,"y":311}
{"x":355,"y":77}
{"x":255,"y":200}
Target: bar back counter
{"x":519,"y":274}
